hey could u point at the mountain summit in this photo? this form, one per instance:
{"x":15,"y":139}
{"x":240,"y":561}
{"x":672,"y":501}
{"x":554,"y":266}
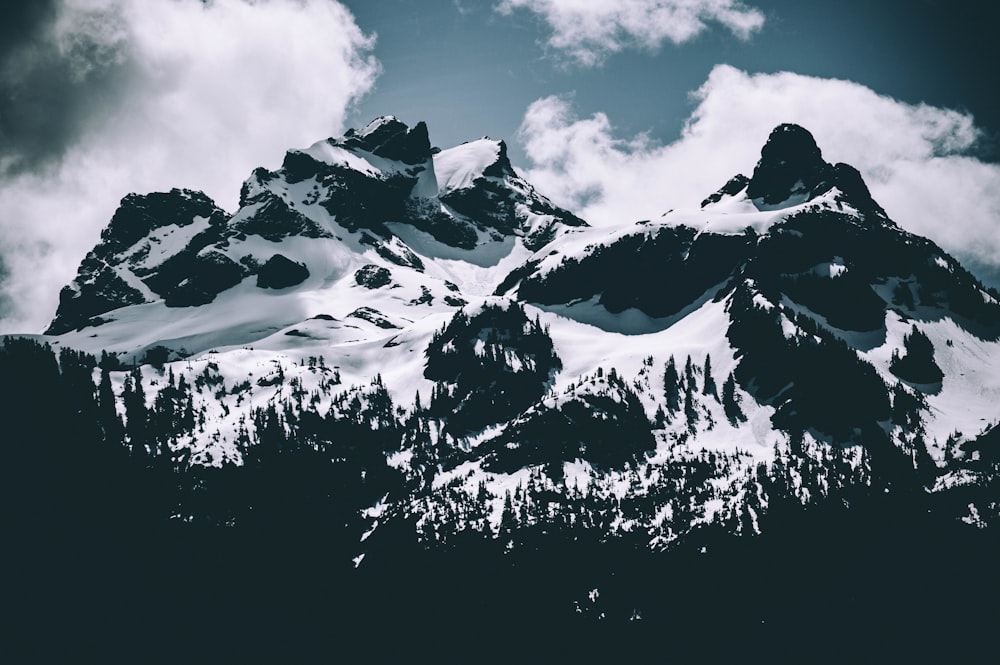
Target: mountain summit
{"x":791,"y":170}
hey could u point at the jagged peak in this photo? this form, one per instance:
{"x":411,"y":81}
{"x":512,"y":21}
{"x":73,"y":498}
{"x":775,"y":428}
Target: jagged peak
{"x":502,"y":166}
{"x":461,"y":166}
{"x":388,"y":137}
{"x":850,"y":182}
{"x":733,"y":186}
{"x":380,"y":125}
{"x":791,"y":170}
{"x":790,"y":162}
{"x":138,"y":214}
{"x":788,"y":142}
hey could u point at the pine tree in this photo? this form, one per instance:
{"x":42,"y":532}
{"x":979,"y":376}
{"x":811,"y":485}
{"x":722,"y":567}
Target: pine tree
{"x":671,"y":386}
{"x":690,"y":410}
{"x":508,"y":519}
{"x":660,"y":419}
{"x":730,"y":401}
{"x":136,"y":414}
{"x":690,"y":382}
{"x":107,"y":413}
{"x":709,"y":388}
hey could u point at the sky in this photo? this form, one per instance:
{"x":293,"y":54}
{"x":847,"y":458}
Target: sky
{"x":617,"y":109}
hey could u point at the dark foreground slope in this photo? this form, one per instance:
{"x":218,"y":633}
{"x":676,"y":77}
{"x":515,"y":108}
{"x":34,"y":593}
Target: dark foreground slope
{"x":95,"y":571}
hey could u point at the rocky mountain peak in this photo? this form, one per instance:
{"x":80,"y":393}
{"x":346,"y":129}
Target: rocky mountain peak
{"x":790,"y":163}
{"x":390,"y":138}
{"x":138,"y":214}
{"x":502,"y":166}
{"x":791,"y":170}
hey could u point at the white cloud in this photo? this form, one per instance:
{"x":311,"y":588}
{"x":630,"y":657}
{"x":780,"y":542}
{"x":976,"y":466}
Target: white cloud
{"x":913,"y":157}
{"x":587,"y":31}
{"x":212,"y":90}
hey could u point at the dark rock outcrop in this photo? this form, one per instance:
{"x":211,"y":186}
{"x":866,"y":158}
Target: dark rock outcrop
{"x":791,"y":164}
{"x":734,"y":186}
{"x":209,"y":274}
{"x":392,"y":139}
{"x":280,"y":272}
{"x":372,"y":277}
{"x":99,"y":287}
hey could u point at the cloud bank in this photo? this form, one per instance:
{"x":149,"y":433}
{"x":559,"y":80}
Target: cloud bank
{"x":915,"y":158}
{"x":588,"y":31}
{"x":107,"y":97}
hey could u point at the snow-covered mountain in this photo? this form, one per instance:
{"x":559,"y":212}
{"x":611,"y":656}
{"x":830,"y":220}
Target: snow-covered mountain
{"x":514,"y":368}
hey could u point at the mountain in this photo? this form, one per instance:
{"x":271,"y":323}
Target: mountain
{"x":415,"y":344}
{"x":340,"y":214}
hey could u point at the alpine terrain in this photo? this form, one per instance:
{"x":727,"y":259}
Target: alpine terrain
{"x":400,"y":392}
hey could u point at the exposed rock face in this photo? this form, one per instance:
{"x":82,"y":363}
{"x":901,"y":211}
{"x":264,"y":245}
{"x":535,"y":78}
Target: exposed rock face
{"x":139,"y":215}
{"x":280,"y":272}
{"x":372,"y":277}
{"x":388,"y":137}
{"x":274,"y":219}
{"x":791,"y":166}
{"x":134,"y":248}
{"x":373,"y":316}
{"x":733,"y":186}
{"x":103,"y":292}
{"x":658,"y":273}
{"x":498,"y":198}
{"x":209,"y":274}
{"x":790,"y":162}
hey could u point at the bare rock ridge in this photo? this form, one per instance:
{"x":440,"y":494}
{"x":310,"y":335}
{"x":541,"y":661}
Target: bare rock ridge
{"x":791,"y":169}
{"x":181,"y":248}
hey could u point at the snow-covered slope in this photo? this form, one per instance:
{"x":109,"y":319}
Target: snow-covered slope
{"x":513,"y":355}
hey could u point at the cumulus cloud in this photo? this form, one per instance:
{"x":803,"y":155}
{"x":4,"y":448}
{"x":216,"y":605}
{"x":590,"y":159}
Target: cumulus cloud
{"x":114,"y":96}
{"x":915,"y":158}
{"x":587,"y":31}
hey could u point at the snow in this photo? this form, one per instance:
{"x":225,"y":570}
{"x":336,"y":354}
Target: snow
{"x":967,"y":399}
{"x":583,"y":348}
{"x":831,"y":269}
{"x":328,"y":153}
{"x":952,"y":479}
{"x":162,"y":243}
{"x":458,"y":167}
{"x":477,"y":271}
{"x":762,"y":303}
{"x":375,"y":124}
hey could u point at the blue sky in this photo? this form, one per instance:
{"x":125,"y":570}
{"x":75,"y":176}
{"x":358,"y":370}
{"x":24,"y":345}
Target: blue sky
{"x":474,"y":71}
{"x":616,"y":110}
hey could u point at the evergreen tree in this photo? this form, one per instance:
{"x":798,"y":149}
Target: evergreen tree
{"x":671,"y":386}
{"x":660,"y":419}
{"x":730,"y":401}
{"x":690,"y":409}
{"x":136,"y":414}
{"x":508,"y":518}
{"x":108,"y":419}
{"x":917,"y":365}
{"x":690,"y":382}
{"x":709,"y":388}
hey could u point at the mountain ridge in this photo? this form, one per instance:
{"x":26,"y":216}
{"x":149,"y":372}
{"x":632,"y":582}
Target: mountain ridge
{"x":486,"y":364}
